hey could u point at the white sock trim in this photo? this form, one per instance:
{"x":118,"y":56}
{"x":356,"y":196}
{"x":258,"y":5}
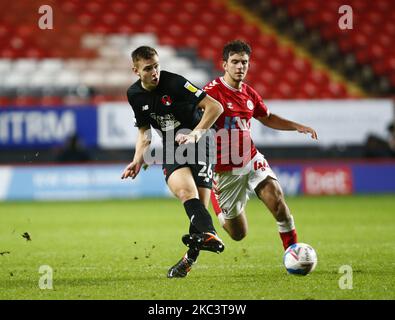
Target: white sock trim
{"x":286,"y":225}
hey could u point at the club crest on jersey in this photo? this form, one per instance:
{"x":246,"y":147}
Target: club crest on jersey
{"x":166,"y":100}
{"x":250,"y":105}
{"x":229,"y":105}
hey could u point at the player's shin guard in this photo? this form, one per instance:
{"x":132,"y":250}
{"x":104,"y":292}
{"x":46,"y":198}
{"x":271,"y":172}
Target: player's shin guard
{"x":199,"y":216}
{"x":287,"y":232}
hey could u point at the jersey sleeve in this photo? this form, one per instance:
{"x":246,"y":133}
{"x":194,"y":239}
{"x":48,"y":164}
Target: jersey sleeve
{"x":187,"y":90}
{"x":260,"y":110}
{"x":211,"y":89}
{"x":141,"y":120}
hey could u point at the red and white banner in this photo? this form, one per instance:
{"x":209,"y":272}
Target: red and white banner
{"x":327,"y":180}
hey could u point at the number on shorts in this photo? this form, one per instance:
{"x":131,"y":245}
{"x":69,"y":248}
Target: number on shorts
{"x":206,"y":171}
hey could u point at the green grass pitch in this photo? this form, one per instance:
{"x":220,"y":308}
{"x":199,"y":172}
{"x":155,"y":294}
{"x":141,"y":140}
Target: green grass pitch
{"x":122,"y":250}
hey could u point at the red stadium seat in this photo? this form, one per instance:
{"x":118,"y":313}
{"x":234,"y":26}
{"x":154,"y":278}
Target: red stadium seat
{"x":374,"y":26}
{"x":337,"y":90}
{"x":309,"y":90}
{"x":319,"y":78}
{"x":276,"y":70}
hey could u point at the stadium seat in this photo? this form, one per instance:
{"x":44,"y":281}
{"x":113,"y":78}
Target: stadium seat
{"x":374,"y":22}
{"x":67,"y":78}
{"x":43,"y":79}
{"x":94,"y":39}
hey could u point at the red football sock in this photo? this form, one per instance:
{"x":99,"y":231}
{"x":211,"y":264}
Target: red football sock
{"x":288,"y":238}
{"x":215,"y":204}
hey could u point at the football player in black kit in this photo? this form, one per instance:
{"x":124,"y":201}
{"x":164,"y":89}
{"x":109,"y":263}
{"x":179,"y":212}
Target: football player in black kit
{"x":168,"y":102}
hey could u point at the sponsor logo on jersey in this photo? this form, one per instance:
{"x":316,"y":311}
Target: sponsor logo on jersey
{"x":210,"y":85}
{"x":237,"y":123}
{"x":261,"y":165}
{"x":250,"y":105}
{"x":192,"y":89}
{"x":166,"y":122}
{"x":166,"y":100}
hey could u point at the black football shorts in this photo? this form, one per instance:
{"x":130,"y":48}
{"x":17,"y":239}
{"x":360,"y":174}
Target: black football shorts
{"x":201,"y":162}
{"x":202,"y":172}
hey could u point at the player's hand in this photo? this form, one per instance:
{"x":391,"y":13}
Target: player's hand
{"x":131,"y":170}
{"x":192,"y":137}
{"x":185,"y":138}
{"x":306,"y":130}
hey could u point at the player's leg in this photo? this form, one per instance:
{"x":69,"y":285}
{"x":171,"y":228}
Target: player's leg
{"x":202,"y":234}
{"x":202,"y":175}
{"x":269,"y":191}
{"x":236,"y":226}
{"x":229,"y":198}
{"x":204,"y":198}
{"x":182,"y":184}
{"x":210,"y":241}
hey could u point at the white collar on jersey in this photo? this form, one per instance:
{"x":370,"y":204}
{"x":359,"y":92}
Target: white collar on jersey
{"x":228,"y":86}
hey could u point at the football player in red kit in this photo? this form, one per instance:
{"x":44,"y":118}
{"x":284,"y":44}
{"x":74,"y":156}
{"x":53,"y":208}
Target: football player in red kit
{"x":241,"y":168}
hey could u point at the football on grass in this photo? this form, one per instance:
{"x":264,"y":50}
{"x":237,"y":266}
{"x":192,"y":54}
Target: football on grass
{"x":300,"y":259}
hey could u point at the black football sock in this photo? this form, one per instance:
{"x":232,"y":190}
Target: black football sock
{"x":192,"y":253}
{"x":199,"y":216}
{"x":192,"y":229}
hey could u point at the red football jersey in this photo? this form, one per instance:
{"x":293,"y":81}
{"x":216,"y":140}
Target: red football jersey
{"x":234,"y":144}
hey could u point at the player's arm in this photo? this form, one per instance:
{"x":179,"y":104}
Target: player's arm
{"x":212,"y":110}
{"x":142,"y":144}
{"x":276,"y":122}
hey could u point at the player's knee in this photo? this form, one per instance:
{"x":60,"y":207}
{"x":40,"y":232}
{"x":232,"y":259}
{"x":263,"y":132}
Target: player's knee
{"x":238,"y":236}
{"x":237,"y":228}
{"x":185,"y":194}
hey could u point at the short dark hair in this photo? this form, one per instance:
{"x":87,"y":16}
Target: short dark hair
{"x":236,"y":46}
{"x":143,"y":52}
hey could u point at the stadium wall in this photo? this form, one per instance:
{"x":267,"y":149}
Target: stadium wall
{"x":111,"y":125}
{"x":86,"y":182}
